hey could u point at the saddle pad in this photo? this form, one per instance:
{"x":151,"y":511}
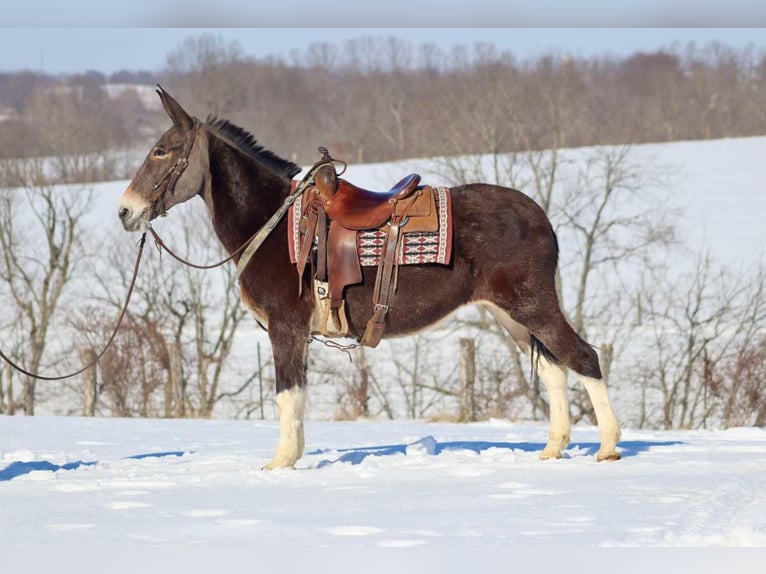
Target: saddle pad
{"x":417,"y":247}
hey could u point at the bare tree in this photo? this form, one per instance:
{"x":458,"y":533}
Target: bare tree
{"x":40,"y":240}
{"x":741,"y":387}
{"x":216,"y":314}
{"x":206,"y":72}
{"x":179,"y":307}
{"x":356,"y":385}
{"x":704,"y":327}
{"x":134,"y":368}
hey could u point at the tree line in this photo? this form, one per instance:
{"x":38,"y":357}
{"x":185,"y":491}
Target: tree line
{"x":378,"y":99}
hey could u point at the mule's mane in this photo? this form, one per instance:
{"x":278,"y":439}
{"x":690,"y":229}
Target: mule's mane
{"x":245,"y":142}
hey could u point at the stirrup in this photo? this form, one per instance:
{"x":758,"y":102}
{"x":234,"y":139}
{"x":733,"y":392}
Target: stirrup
{"x":328,"y":321}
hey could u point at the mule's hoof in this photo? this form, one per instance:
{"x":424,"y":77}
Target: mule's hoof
{"x":273,"y":465}
{"x":548,"y":454}
{"x":608,"y":456}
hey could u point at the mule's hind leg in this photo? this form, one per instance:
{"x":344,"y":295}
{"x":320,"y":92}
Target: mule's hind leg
{"x":608,"y":426}
{"x":553,"y":377}
{"x":566,"y":346}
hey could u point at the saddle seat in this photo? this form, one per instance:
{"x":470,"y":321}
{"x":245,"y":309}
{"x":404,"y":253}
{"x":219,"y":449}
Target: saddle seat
{"x":356,"y":208}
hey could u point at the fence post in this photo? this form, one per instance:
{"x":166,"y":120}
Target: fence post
{"x":467,"y":380}
{"x":260,"y":381}
{"x":2,"y":395}
{"x":90,"y":394}
{"x":10,"y":401}
{"x":178,"y":390}
{"x":362,"y":392}
{"x":607,"y":356}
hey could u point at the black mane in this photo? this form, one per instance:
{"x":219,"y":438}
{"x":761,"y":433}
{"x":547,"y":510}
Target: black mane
{"x":245,"y":142}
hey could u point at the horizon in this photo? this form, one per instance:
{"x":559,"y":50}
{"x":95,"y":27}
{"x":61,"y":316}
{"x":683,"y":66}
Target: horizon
{"x":62,"y":51}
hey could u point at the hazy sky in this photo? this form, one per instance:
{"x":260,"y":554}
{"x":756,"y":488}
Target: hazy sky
{"x":107,"y":50}
{"x":77,"y":35}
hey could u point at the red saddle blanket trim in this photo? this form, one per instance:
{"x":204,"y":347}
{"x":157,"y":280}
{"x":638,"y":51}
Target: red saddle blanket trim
{"x":417,"y":248}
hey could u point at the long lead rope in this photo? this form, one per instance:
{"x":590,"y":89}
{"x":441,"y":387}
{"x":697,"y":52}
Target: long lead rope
{"x":108,"y":343}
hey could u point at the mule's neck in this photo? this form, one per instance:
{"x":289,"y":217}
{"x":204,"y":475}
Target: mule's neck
{"x":244,"y":193}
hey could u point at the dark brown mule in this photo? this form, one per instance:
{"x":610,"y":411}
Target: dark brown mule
{"x":504,"y":256}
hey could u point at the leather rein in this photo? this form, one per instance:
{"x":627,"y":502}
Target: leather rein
{"x":121,"y":316}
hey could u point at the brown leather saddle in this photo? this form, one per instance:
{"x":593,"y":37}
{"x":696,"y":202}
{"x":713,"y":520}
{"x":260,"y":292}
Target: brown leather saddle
{"x":333,"y":212}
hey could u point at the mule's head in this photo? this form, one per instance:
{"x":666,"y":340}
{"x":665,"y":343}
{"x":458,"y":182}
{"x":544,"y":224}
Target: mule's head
{"x":174,"y":170}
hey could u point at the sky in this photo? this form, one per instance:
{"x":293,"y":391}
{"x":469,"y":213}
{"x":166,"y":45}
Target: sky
{"x":109,"y":49}
{"x":80,"y":35}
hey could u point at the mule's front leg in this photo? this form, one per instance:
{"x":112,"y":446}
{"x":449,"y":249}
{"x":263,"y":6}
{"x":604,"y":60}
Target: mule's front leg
{"x":290,"y":348}
{"x":291,"y":404}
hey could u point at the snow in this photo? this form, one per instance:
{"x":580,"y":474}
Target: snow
{"x":146,"y":93}
{"x":465,"y":489}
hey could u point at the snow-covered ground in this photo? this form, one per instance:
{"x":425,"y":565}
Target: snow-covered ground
{"x":85,"y":484}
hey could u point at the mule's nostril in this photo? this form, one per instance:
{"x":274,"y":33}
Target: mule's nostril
{"x":124,"y":213}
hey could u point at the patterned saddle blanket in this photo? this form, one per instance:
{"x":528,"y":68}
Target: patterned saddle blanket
{"x":417,"y":247}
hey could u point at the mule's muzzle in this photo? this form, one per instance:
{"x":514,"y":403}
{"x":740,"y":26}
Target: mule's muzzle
{"x":133,"y":220}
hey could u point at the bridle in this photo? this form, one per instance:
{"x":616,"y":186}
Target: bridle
{"x":167,"y":183}
{"x":254,"y":242}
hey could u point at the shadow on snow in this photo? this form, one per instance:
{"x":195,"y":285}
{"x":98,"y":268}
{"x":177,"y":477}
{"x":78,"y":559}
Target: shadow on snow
{"x":431,"y":446}
{"x":20,"y":468}
{"x":356,"y":455}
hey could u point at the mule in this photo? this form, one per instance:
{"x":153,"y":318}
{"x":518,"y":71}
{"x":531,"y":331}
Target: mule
{"x":505,"y":255}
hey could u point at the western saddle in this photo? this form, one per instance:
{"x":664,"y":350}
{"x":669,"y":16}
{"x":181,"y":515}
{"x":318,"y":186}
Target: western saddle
{"x":333,"y":211}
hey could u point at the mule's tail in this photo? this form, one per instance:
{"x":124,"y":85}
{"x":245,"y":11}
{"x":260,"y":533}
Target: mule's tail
{"x":538,"y":349}
{"x":578,"y":355}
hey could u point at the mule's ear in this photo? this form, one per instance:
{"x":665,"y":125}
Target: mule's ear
{"x":174,"y":110}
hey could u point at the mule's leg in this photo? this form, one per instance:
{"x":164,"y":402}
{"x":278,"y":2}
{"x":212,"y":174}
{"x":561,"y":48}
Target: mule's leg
{"x":291,"y":405}
{"x":289,"y":346}
{"x":608,"y":426}
{"x":567,"y":346}
{"x":553,"y":377}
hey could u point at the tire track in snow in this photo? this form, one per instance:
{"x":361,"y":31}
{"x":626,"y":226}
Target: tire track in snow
{"x":720,"y":516}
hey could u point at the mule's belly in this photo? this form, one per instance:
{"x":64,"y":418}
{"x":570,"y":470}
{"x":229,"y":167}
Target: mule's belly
{"x":425,"y":295}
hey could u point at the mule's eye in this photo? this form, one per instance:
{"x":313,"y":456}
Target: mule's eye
{"x":159,"y":152}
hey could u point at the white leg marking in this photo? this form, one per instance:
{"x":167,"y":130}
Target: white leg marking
{"x":608,"y":426}
{"x":291,"y":405}
{"x":555,"y":380}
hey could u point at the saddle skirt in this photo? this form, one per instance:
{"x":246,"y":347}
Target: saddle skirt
{"x":418,"y":247}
